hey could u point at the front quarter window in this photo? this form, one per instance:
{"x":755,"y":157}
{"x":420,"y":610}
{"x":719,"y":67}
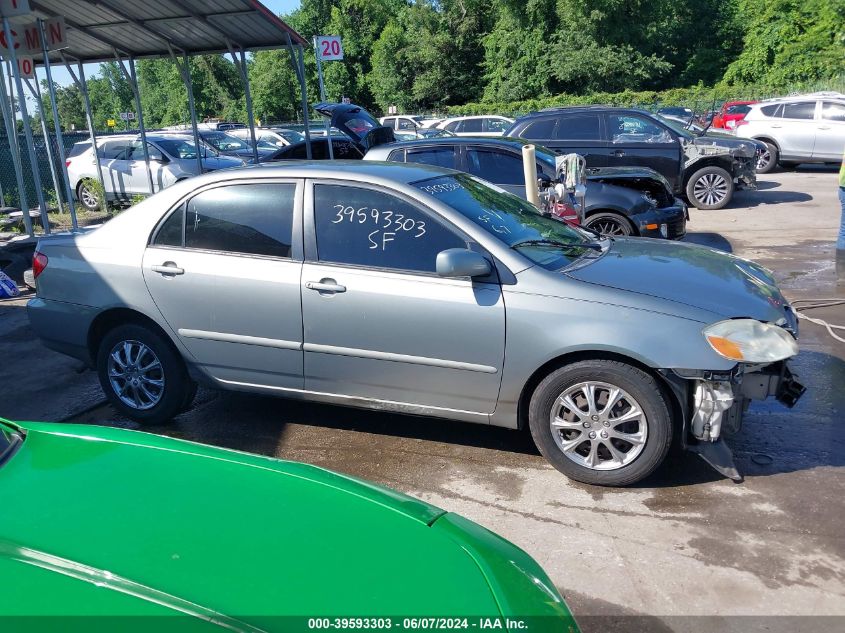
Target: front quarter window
{"x":10,"y":441}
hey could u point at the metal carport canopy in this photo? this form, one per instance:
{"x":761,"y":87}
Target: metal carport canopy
{"x":149,"y":28}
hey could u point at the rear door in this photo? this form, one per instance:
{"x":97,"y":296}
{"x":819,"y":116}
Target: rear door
{"x":117,"y":167}
{"x":438,"y":155}
{"x":636,"y":140}
{"x":224,"y":270}
{"x":830,"y":139}
{"x":797,"y":133}
{"x":138,"y":168}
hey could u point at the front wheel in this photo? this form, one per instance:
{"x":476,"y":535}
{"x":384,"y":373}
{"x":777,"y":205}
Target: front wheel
{"x":609,"y":224}
{"x":142,"y":376}
{"x":601,"y":422}
{"x":710,"y":188}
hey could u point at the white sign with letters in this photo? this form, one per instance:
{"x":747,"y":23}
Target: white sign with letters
{"x":27,"y":39}
{"x":329,"y":48}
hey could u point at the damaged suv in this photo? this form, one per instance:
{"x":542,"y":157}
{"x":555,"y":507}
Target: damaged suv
{"x":705,"y":169}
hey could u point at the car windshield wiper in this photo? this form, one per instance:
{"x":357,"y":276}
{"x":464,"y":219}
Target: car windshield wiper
{"x":566,"y":245}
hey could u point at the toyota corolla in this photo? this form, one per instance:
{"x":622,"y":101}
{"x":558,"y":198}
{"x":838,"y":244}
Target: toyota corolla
{"x":420,"y":290}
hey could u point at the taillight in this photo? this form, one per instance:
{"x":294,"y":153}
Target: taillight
{"x":740,"y":122}
{"x":67,"y":162}
{"x":39,"y":263}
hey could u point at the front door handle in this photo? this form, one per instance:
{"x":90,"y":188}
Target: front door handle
{"x":618,"y":152}
{"x":826,"y":127}
{"x":325,"y":286}
{"x":168,"y":269}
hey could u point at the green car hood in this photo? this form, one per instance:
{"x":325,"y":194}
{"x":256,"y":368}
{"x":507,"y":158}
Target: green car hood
{"x":117,"y":522}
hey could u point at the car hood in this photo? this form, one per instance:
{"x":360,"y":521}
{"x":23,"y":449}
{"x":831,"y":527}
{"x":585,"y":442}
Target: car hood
{"x":196,"y":529}
{"x":688,"y":274}
{"x":628,"y":176}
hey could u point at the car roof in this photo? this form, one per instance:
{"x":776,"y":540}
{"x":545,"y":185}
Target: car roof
{"x":812,"y":96}
{"x":399,"y":172}
{"x":459,"y":140}
{"x":597,"y":108}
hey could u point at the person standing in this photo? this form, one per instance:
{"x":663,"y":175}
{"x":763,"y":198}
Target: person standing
{"x":840,"y":242}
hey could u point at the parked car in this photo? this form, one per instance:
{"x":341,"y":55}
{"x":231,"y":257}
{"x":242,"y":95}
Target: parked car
{"x":230,"y":145}
{"x":173,"y":157}
{"x":269,"y":138}
{"x":423,"y":290}
{"x":228,"y":540}
{"x":342,"y":148}
{"x":730,"y":113}
{"x":221,"y":125}
{"x":476,"y":125}
{"x":800,"y":129}
{"x":704,"y":169}
{"x":619,"y":201}
{"x":422,"y":132}
{"x":408,"y":122}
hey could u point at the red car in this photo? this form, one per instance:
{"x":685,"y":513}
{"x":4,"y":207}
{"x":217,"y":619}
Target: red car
{"x":731,"y":112}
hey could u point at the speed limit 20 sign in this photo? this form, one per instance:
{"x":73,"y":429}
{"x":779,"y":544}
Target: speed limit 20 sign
{"x":329,"y":47}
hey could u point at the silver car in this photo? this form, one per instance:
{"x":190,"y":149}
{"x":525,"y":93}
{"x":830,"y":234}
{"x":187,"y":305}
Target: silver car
{"x":419,"y":290}
{"x":801,"y":129}
{"x":173,"y":157}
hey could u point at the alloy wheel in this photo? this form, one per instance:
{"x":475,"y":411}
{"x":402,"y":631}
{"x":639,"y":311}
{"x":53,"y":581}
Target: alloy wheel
{"x":598,"y":425}
{"x":609,"y":227}
{"x":136,"y":375}
{"x":710,"y":189}
{"x":763,"y":159}
{"x":89,"y":198}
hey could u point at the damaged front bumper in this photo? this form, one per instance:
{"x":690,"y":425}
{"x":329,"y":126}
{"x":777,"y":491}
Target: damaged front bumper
{"x":718,"y":401}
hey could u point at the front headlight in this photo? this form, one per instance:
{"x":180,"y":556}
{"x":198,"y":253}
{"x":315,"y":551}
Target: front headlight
{"x":750,"y":341}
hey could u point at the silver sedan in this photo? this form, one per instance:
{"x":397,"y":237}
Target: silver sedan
{"x":425,"y":291}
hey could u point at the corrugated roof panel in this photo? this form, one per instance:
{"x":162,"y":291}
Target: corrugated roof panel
{"x":137,"y":27}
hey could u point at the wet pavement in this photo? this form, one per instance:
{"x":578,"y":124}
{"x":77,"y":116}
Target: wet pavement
{"x":683,"y":543}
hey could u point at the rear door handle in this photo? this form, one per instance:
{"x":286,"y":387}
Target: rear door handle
{"x":325,"y":285}
{"x":618,"y":152}
{"x":168,"y":268}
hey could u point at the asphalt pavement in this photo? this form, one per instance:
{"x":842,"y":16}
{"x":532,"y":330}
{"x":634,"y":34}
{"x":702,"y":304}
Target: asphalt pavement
{"x":680,"y":551}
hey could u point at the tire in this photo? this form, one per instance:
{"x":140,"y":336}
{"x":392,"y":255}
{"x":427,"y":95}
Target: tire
{"x":87,"y":197}
{"x":569,"y":447}
{"x":710,"y":188}
{"x":768,"y":160}
{"x":610,"y":224}
{"x":156,"y":395}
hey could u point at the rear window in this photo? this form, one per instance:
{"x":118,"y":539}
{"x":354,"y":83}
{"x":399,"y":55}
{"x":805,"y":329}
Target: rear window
{"x":772,"y":110}
{"x":79,"y":148}
{"x":805,"y":110}
{"x":578,"y":127}
{"x":738,"y":109}
{"x":541,"y":129}
{"x":439,"y":156}
{"x":832,"y":111}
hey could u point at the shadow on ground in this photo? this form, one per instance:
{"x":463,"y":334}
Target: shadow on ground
{"x":713,"y":240}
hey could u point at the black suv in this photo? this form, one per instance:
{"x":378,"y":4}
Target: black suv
{"x":705,"y":168}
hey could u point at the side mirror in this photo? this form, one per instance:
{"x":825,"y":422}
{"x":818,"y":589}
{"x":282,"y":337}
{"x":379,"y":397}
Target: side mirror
{"x":462,"y":262}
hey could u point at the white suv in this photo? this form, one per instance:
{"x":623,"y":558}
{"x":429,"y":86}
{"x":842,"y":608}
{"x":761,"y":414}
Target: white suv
{"x":801,"y":129}
{"x":173,"y":157}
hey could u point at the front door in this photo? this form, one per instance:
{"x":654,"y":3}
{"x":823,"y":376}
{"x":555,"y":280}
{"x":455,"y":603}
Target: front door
{"x":830,"y":139}
{"x":639,"y":141}
{"x":224,"y":270}
{"x":379,"y":323}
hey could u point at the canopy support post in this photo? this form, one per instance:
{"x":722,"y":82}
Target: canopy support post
{"x":12,"y":133}
{"x":48,"y":145}
{"x":27,"y":130}
{"x":60,"y":143}
{"x":239,"y":57}
{"x":80,"y":83}
{"x":185,"y":70}
{"x":299,"y":69}
{"x":133,"y":84}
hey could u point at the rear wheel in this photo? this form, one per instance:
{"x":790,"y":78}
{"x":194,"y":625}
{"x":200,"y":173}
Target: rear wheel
{"x":87,"y":194}
{"x":767,"y":160}
{"x":710,"y":188}
{"x":142,"y":376}
{"x":609,"y":224}
{"x":601,"y":422}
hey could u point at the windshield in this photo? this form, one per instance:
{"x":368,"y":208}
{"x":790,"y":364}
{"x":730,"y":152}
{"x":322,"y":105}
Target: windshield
{"x":291,"y":136}
{"x":225,"y":142}
{"x":545,"y":241}
{"x":677,"y":126}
